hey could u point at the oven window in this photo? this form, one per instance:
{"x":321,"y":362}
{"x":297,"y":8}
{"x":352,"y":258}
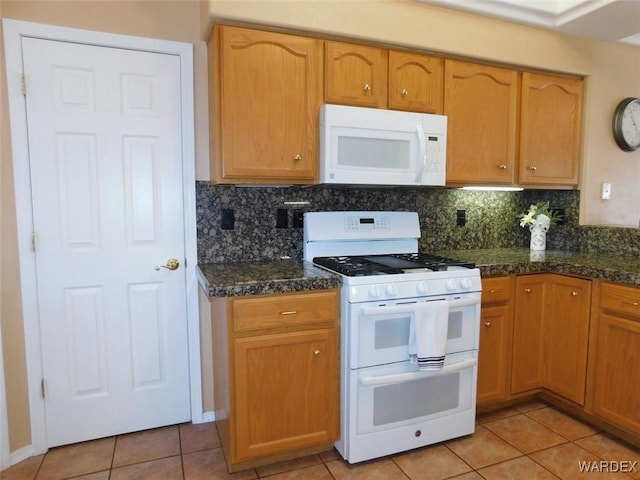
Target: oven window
{"x":410,"y":400}
{"x":455,"y":325}
{"x":392,"y":333}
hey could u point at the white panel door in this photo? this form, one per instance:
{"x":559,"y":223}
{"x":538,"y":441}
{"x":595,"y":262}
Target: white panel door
{"x":106,"y":170}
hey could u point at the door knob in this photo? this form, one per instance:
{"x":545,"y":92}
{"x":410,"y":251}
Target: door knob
{"x":172,"y":264}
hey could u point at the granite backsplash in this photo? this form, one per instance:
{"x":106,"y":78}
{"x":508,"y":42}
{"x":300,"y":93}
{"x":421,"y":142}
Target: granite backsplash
{"x":491,"y":219}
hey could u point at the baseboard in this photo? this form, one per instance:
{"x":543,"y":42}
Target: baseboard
{"x":20,"y":455}
{"x":208,"y":417}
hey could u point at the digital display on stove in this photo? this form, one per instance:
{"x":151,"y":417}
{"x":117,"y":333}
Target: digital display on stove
{"x":367,"y":220}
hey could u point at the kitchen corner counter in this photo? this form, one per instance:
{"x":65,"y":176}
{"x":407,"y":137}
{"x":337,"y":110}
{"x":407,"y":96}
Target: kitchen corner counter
{"x":260,"y":278}
{"x":504,"y":261}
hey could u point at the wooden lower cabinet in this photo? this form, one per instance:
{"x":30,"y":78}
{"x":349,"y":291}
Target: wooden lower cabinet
{"x":276,"y":376}
{"x":494,"y":356}
{"x":551,"y":335}
{"x":615,"y":359}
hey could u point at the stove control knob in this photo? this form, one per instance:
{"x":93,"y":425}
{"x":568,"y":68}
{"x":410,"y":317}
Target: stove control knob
{"x":451,"y":285}
{"x":422,"y":288}
{"x":465,"y":284}
{"x":374,"y":292}
{"x":391,"y":290}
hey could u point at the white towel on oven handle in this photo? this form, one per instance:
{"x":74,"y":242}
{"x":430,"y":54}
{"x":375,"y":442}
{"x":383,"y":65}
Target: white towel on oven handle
{"x":428,"y":330}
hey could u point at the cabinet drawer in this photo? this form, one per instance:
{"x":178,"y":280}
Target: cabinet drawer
{"x":284,"y":310}
{"x":617,"y":298}
{"x":496,"y":290}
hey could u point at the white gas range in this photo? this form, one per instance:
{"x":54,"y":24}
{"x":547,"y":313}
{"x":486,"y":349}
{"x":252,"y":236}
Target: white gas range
{"x":409,"y":332}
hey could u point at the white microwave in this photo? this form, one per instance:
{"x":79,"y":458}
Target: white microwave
{"x":370,"y":146}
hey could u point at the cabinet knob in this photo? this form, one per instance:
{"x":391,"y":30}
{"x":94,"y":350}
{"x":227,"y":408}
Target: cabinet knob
{"x":533,"y":168}
{"x":366,"y":87}
{"x":635,"y":304}
{"x":502,"y":166}
{"x":297,"y":157}
{"x":487,"y":324}
{"x":574,"y":293}
{"x":316,"y":352}
{"x":404,"y":92}
{"x":527,"y":290}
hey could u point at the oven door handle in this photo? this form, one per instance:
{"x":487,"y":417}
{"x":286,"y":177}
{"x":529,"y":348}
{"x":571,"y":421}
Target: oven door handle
{"x":376,"y":380}
{"x":410,"y":308}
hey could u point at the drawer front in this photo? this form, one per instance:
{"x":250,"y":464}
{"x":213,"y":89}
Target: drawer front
{"x":496,"y":290}
{"x":621,"y":299}
{"x":287,"y":310}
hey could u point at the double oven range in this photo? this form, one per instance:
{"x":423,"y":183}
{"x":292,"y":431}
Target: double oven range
{"x":388,"y":403}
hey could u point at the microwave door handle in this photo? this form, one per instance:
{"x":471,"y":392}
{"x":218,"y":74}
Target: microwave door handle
{"x":410,"y":308}
{"x":377,"y":380}
{"x":423,"y":154}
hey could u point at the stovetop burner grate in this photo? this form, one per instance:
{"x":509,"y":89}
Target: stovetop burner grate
{"x":388,"y":264}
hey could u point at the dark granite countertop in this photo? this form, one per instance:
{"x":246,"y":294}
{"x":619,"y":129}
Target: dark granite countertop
{"x":259,"y":278}
{"x":503,"y":261}
{"x":283,"y":276}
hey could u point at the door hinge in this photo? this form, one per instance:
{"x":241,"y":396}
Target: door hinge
{"x":185,"y":263}
{"x":24,"y":84}
{"x":33,"y":241}
{"x":43,"y":390}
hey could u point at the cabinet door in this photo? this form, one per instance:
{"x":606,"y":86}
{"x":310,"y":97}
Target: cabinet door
{"x":415,"y":82}
{"x":481,"y":104}
{"x":286,"y":392}
{"x":494,"y":357}
{"x":550,"y":120}
{"x":265,"y":101}
{"x":617,"y":358}
{"x":527,"y":363}
{"x":355,"y":75}
{"x":566,"y":332}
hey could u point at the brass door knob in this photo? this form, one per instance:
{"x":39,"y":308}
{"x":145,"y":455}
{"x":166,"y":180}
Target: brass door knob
{"x":172,"y":264}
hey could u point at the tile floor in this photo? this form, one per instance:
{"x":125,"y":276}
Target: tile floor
{"x":531,"y":441}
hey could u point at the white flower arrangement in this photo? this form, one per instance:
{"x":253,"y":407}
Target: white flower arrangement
{"x":539,"y":214}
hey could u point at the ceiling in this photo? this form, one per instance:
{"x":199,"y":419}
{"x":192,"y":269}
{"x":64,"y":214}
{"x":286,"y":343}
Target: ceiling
{"x":613,"y":20}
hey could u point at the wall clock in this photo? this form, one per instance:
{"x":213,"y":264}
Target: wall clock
{"x":626,"y":124}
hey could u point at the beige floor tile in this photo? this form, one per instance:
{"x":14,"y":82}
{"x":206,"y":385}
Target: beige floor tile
{"x":329,"y":455}
{"x":468,"y":476}
{"x":316,"y":472}
{"x":608,"y":448}
{"x":163,"y":469}
{"x":146,"y":445}
{"x":434,"y":463}
{"x":565,"y":460}
{"x":210,"y":465}
{"x":483,"y":448}
{"x":77,"y":459}
{"x":525,"y":434}
{"x":25,"y":470}
{"x":203,"y":436}
{"x":561,"y":423}
{"x":94,"y":476}
{"x":383,"y":469}
{"x":288,"y":465}
{"x":521,"y":467}
{"x":496,"y":415}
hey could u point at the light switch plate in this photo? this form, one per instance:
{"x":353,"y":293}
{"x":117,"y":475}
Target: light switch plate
{"x":606,"y":191}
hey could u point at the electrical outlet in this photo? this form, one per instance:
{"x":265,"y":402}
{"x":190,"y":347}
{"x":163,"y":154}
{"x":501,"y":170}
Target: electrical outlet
{"x":228,"y":219}
{"x":461,"y":218}
{"x":298,"y":218}
{"x":282,"y":218}
{"x":606,"y":191}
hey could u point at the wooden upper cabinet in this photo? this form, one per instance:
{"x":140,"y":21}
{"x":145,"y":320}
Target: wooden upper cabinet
{"x":481,"y":103}
{"x":355,"y":74}
{"x":266,"y":90}
{"x":415,"y":82}
{"x":550,"y":119}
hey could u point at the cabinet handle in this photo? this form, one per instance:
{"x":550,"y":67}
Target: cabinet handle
{"x":289,"y":312}
{"x":574,"y":293}
{"x":502,"y":166}
{"x":404,"y":92}
{"x":496,"y":290}
{"x":634,"y":304}
{"x":487,"y":324}
{"x":366,"y":87}
{"x":527,"y":290}
{"x":533,"y":168}
{"x":316,"y":352}
{"x":297,"y":157}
